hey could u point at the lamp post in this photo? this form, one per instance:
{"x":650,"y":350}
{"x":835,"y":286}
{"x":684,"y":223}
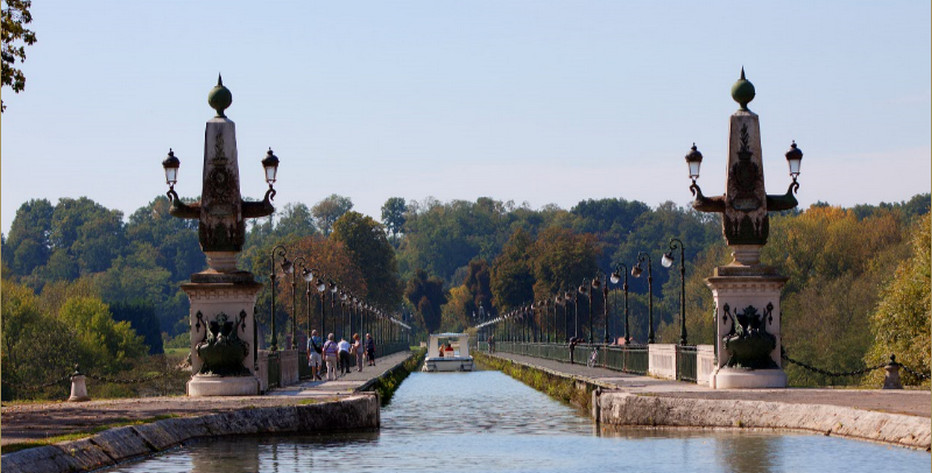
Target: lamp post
{"x":286,"y":265}
{"x":584,"y":289}
{"x":602,"y":282}
{"x":322,"y":290}
{"x":636,"y":272}
{"x":333,"y":298}
{"x":622,"y":271}
{"x":667,"y":261}
{"x":308,"y":276}
{"x":294,"y":300}
{"x":572,"y":296}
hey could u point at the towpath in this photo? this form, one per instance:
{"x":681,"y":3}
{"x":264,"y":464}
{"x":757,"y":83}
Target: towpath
{"x":912,"y":402}
{"x":36,"y":421}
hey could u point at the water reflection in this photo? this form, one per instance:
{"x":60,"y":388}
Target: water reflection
{"x":749,"y":453}
{"x":485,"y":421}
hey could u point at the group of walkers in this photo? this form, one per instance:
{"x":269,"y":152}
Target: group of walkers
{"x":331,"y":356}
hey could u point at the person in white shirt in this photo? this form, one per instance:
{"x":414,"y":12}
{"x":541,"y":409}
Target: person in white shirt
{"x":345,"y":360}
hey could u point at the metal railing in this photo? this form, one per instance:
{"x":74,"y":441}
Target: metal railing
{"x":686,"y":363}
{"x":275,"y":370}
{"x":304,"y":370}
{"x":627,"y":359}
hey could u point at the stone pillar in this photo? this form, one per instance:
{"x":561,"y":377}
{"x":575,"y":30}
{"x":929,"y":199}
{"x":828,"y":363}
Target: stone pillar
{"x":214,"y":296}
{"x":742,"y":293}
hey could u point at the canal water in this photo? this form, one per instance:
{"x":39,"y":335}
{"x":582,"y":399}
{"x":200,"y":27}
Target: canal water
{"x":485,"y":421}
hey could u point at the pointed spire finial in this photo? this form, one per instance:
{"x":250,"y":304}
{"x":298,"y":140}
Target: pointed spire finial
{"x":220,"y":97}
{"x":743,"y":91}
{"x":220,"y":77}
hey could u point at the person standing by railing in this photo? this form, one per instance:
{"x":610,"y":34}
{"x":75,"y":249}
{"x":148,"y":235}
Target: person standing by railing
{"x":370,"y":349}
{"x":357,"y":349}
{"x":330,"y":357}
{"x":314,"y":350}
{"x":344,"y":354}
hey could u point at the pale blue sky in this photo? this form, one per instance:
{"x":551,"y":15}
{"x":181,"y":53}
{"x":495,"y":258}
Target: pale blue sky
{"x":536,"y":101}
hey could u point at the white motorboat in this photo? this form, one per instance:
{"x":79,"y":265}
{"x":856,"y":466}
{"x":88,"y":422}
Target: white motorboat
{"x":448,"y":352}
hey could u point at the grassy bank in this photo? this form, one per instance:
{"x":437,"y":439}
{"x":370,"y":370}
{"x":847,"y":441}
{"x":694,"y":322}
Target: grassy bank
{"x":386,"y":384}
{"x":563,"y":388}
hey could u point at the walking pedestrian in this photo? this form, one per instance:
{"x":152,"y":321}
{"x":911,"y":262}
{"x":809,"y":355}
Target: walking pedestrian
{"x":370,"y":349}
{"x":358,"y":350}
{"x":314,"y":349}
{"x":330,"y":357}
{"x":345,"y":360}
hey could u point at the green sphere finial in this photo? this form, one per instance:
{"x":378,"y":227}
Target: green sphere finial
{"x":220,"y":97}
{"x":743,"y":91}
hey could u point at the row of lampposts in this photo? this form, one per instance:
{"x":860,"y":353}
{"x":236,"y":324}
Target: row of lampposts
{"x":525,"y":314}
{"x":356,"y":315}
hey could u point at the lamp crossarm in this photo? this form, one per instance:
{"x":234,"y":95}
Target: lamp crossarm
{"x":180,"y":209}
{"x":776,"y":203}
{"x":259,"y":209}
{"x":707,"y":204}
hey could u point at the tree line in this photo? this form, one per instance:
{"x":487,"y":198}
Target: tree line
{"x":445,"y":264}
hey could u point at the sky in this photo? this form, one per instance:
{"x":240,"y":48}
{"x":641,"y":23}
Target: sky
{"x":535,"y":102}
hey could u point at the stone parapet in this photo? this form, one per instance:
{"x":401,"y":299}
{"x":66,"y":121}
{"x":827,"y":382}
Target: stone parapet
{"x":121,"y":444}
{"x":617,"y":408}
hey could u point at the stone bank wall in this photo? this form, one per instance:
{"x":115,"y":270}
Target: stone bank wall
{"x":131,"y":442}
{"x":623,"y":409}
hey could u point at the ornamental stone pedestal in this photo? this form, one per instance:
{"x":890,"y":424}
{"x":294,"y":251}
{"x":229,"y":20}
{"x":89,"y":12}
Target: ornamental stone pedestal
{"x":222,"y":319}
{"x":746,"y":293}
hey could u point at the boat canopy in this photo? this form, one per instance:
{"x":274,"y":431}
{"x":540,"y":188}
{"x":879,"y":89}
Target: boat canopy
{"x":460,"y":344}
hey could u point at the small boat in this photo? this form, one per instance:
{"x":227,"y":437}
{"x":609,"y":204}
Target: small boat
{"x":448,"y":352}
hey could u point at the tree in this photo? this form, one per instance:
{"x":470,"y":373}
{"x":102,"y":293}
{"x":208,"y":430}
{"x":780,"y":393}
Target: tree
{"x":91,"y":233}
{"x":329,"y":210}
{"x":427,"y":296}
{"x":900,"y":323}
{"x":15,"y":15}
{"x":105,"y":345}
{"x":373,"y":255}
{"x":28,"y":242}
{"x":511,"y":280}
{"x":478,"y":286}
{"x":37,"y":348}
{"x":393,"y":215}
{"x":142,"y":319}
{"x":296,"y":220}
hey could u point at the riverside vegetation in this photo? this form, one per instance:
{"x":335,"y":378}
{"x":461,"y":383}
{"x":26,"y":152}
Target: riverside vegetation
{"x":81,"y":284}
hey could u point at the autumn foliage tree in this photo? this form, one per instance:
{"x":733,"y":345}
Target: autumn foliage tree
{"x":900,"y":324}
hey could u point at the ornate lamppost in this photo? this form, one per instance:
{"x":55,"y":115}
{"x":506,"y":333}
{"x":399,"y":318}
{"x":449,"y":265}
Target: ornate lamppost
{"x":746,"y":292}
{"x":636,"y":272}
{"x":622,"y":271}
{"x":307,"y":275}
{"x":287,"y":267}
{"x":574,"y":297}
{"x":294,"y":300}
{"x":667,"y":261}
{"x":584,"y":290}
{"x":222,"y":297}
{"x":602,"y":282}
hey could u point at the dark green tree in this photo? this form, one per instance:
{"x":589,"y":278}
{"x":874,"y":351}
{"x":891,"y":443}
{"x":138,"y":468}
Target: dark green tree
{"x":393,"y":215}
{"x":370,"y":251}
{"x":15,"y":35}
{"x":142,"y":319}
{"x":426,"y":294}
{"x":511,"y":280}
{"x":28,"y":246}
{"x":329,"y":210}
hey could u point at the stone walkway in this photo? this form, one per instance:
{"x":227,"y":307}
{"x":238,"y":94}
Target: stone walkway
{"x":34,"y":421}
{"x":912,"y":402}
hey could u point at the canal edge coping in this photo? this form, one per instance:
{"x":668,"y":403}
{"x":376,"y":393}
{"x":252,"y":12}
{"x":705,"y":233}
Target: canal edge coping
{"x":611,"y":406}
